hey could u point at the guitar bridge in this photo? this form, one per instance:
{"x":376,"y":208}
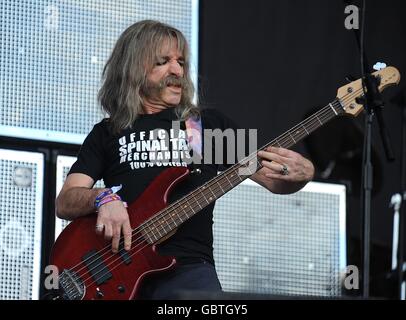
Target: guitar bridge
{"x":71,"y":285}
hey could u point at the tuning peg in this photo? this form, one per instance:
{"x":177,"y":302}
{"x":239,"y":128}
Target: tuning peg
{"x":379,"y":66}
{"x":360,"y":100}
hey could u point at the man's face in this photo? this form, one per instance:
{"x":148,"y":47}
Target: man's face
{"x":166,"y":77}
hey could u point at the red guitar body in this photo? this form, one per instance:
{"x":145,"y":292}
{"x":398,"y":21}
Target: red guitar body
{"x":122,"y":275}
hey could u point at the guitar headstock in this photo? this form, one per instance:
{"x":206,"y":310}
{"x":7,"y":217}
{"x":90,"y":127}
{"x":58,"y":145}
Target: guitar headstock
{"x":349,"y":93}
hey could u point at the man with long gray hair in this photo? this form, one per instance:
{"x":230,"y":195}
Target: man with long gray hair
{"x":147,"y":89}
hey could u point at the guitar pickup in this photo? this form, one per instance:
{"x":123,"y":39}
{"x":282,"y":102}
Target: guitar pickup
{"x":124,"y":255}
{"x":96,"y":266}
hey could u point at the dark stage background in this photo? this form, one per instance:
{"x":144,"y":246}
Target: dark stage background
{"x":268,"y":64}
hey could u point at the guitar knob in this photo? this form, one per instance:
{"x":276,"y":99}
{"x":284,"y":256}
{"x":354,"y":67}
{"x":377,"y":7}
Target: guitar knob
{"x":99,"y":294}
{"x":121,"y":289}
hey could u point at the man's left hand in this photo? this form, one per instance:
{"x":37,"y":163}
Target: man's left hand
{"x":286,"y":165}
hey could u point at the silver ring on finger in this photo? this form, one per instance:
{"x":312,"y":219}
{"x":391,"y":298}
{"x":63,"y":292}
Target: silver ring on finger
{"x":284,"y":171}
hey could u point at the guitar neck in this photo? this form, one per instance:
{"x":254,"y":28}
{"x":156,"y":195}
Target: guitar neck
{"x":178,"y":212}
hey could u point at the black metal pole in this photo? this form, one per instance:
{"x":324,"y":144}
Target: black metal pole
{"x":400,"y":253}
{"x":366,"y":196}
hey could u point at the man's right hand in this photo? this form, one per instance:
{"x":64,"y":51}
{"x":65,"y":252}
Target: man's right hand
{"x":113,"y":221}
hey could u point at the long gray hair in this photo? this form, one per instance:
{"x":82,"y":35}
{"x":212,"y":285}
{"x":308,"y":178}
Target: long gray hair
{"x":125,"y":73}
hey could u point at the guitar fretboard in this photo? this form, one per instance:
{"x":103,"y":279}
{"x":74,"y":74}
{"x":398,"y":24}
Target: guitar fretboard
{"x":178,"y":212}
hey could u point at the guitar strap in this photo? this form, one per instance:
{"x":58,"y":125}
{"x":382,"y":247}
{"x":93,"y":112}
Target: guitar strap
{"x":194,"y":138}
{"x":194,"y":134}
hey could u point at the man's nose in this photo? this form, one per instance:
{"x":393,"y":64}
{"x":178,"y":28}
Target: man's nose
{"x":176,"y":69}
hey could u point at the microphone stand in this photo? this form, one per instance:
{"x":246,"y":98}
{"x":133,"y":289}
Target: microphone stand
{"x":373,"y":105}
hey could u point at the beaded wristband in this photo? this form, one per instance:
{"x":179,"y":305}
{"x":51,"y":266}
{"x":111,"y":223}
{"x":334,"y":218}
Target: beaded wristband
{"x":108,"y":196}
{"x":107,"y":199}
{"x":123,"y":202}
{"x":111,"y":190}
{"x":101,"y":196}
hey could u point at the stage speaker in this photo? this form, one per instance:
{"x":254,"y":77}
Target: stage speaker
{"x":21,"y":198}
{"x":53,"y":54}
{"x":281,"y":244}
{"x":63,"y":165}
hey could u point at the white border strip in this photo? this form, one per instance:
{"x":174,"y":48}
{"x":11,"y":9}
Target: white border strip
{"x":61,"y":161}
{"x":39,"y":134}
{"x":312,"y":186}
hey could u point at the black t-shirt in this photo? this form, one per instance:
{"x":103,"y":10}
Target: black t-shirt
{"x":135,"y":157}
